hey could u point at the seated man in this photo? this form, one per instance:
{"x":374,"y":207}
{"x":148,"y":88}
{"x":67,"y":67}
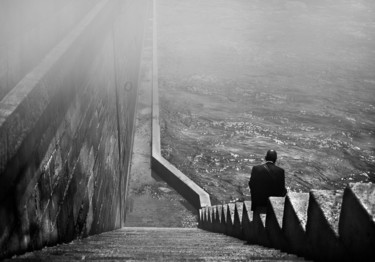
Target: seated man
{"x":266,"y":180}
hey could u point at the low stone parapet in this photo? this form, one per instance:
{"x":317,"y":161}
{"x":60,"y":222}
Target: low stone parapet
{"x":259,"y":229}
{"x":357,"y":221}
{"x":247,"y":220}
{"x":229,"y":226}
{"x":294,"y":222}
{"x":217,"y":222}
{"x":237,"y":228}
{"x":274,"y":223}
{"x":224,"y":219}
{"x":321,"y":225}
{"x":168,"y":172}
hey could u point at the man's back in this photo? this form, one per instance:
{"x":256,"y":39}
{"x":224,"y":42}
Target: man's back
{"x":266,"y":180}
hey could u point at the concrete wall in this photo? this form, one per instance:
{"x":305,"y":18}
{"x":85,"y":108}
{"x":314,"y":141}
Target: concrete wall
{"x":324,"y":225}
{"x":169,"y":173}
{"x":29,"y":29}
{"x":66,"y":130}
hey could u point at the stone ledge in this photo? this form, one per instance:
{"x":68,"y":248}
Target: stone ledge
{"x":181,"y":183}
{"x":174,"y":177}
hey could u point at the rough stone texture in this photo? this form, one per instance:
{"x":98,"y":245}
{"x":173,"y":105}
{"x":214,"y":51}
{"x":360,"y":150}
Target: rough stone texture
{"x":63,"y":150}
{"x":274,"y":223}
{"x":158,"y":244}
{"x":357,"y":223}
{"x":30,"y":29}
{"x":40,"y":99}
{"x":322,"y":225}
{"x":247,"y":220}
{"x":294,"y":222}
{"x":237,"y":224}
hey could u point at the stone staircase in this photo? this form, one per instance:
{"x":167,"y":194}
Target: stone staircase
{"x":158,"y":244}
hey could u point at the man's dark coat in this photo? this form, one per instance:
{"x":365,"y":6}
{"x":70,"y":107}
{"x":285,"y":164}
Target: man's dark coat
{"x":266,"y":180}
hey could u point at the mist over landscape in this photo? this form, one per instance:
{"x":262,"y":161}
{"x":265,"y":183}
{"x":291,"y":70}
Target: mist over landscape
{"x":240,"y":77}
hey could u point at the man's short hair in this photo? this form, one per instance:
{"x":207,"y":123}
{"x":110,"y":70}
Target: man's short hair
{"x":271,"y":156}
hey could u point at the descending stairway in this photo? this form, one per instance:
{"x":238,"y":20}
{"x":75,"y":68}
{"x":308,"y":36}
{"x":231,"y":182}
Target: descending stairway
{"x":158,"y":244}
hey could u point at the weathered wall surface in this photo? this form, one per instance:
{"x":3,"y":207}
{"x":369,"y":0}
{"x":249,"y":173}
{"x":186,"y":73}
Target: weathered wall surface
{"x":128,"y":34}
{"x":66,"y":132}
{"x":29,"y":29}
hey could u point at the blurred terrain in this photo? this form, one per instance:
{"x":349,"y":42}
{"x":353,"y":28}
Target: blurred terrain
{"x":240,"y":77}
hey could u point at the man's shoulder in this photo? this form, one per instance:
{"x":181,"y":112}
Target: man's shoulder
{"x":274,"y":167}
{"x":258,"y":167}
{"x":278,"y":169}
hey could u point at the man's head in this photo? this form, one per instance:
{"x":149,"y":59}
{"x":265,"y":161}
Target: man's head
{"x":271,"y":156}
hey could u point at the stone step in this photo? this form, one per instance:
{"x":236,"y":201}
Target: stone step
{"x":158,"y":244}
